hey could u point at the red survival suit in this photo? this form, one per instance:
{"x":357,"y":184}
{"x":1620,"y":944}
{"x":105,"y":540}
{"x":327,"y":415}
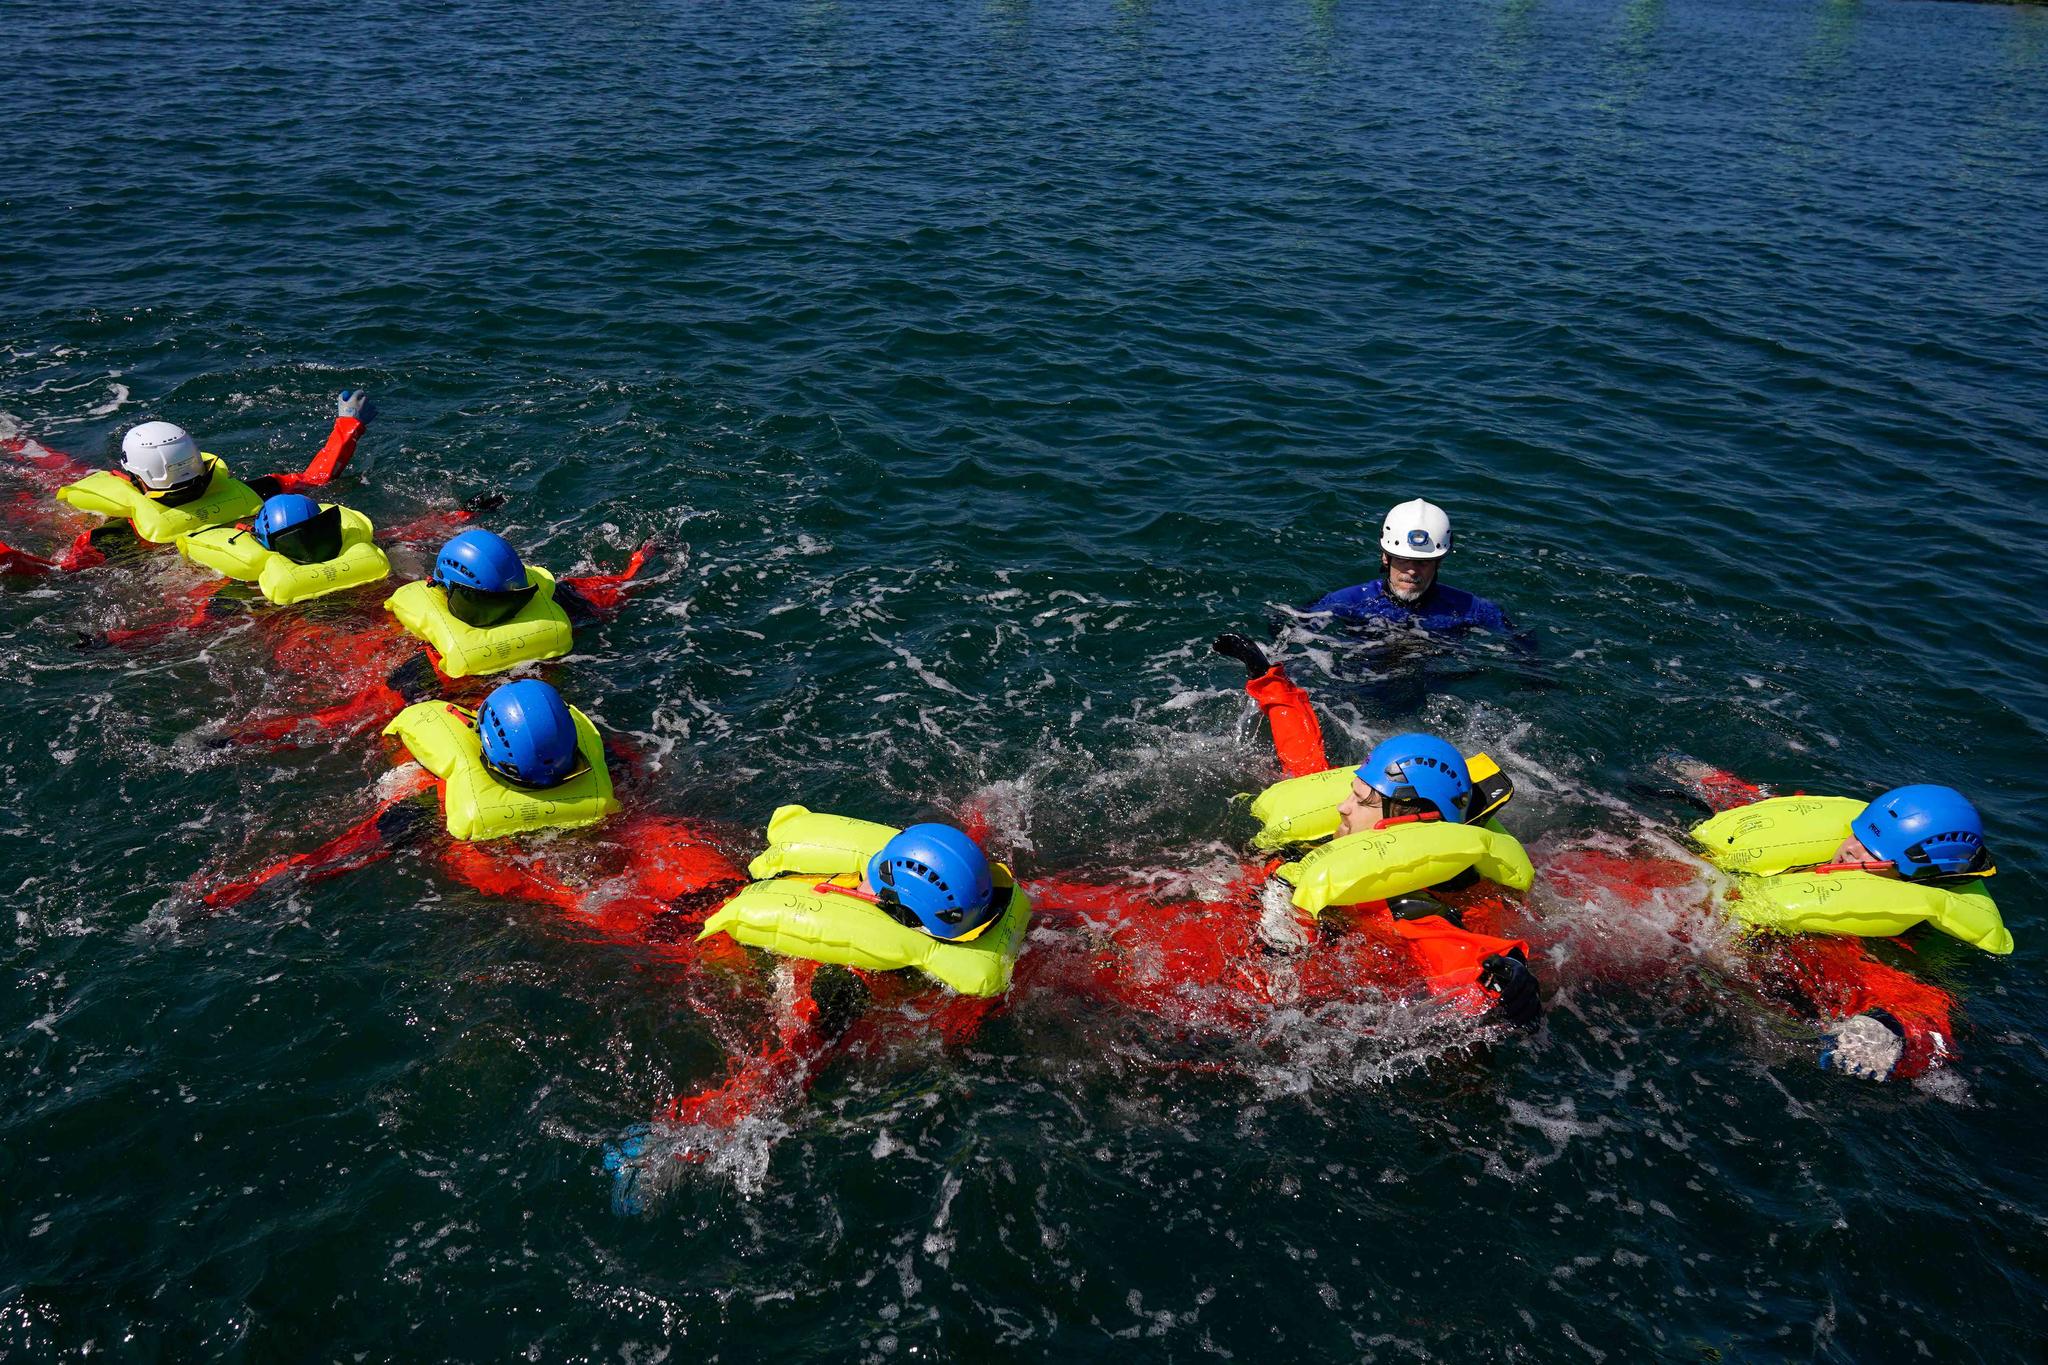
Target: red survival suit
{"x":1204,"y":964}
{"x":374,"y":668}
{"x":651,"y":881}
{"x":1820,"y":976}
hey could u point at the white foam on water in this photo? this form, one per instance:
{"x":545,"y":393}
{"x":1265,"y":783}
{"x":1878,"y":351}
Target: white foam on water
{"x":118,"y":400}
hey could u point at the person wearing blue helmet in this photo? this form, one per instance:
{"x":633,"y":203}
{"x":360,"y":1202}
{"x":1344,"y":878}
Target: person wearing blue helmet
{"x":1917,"y":832}
{"x":1399,"y":884}
{"x":935,"y":877}
{"x":485,"y":610}
{"x":482,"y":611}
{"x":1819,"y":888}
{"x":917,"y":920}
{"x":527,"y":736}
{"x":298,"y":528}
{"x":1406,"y":775}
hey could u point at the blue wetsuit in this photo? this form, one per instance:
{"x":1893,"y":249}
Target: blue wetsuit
{"x":1443,"y":609}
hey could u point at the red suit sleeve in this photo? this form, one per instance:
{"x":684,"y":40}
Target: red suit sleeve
{"x":332,"y":459}
{"x":81,"y":553}
{"x":1837,"y":977}
{"x":605,"y":591}
{"x":1297,"y":734}
{"x":193,"y":605}
{"x":360,"y":845}
{"x":1722,"y":789}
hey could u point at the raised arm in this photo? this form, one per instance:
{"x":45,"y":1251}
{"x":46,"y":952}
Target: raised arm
{"x":1297,"y":734}
{"x":353,"y":411}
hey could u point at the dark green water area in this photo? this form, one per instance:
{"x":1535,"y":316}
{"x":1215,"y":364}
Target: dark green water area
{"x":977,"y":363}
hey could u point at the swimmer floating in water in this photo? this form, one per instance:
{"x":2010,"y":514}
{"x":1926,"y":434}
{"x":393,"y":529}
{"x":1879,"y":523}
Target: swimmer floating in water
{"x":482,"y":612}
{"x":1401,"y":892}
{"x":1813,"y":878}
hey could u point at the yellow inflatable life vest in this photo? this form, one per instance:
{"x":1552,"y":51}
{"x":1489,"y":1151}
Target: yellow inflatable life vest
{"x":1771,"y":835}
{"x":1860,"y":904}
{"x":237,"y":554}
{"x":479,"y":805}
{"x":1303,"y":810}
{"x":1377,"y":863}
{"x":1765,"y":839}
{"x":226,"y":499}
{"x":785,"y":912}
{"x":539,"y":631}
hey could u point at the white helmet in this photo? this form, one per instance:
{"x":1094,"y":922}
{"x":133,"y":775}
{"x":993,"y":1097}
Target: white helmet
{"x":161,"y":455}
{"x":1417,"y":530}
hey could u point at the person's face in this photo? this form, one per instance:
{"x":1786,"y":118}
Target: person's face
{"x":1409,"y":578}
{"x":1361,"y":810}
{"x":1853,"y":851}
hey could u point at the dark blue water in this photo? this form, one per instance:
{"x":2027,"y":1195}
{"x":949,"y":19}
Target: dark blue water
{"x":979,"y":363}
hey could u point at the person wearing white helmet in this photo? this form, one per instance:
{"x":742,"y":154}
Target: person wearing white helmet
{"x":165,"y":486}
{"x":1413,"y":544}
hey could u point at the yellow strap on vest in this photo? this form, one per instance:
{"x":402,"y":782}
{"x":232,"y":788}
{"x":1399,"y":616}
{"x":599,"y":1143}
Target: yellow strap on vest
{"x":476,"y":804}
{"x":1376,"y":864}
{"x":540,"y":630}
{"x":1859,"y":904}
{"x":784,"y":912}
{"x":1301,"y":810}
{"x":227,"y":499}
{"x":237,"y":554}
{"x":1769,"y":836}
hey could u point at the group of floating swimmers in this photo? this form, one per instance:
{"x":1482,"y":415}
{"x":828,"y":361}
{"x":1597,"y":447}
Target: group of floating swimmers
{"x":1390,"y":878}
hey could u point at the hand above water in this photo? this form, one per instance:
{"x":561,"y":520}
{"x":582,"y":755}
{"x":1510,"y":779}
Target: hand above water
{"x":1231,"y":645}
{"x":355,"y":403}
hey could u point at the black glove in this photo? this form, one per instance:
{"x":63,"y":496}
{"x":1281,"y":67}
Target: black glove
{"x":842,"y":998}
{"x":414,"y":679}
{"x":402,"y":823}
{"x":1421,"y":905}
{"x":1231,"y":645}
{"x":1507,"y":976}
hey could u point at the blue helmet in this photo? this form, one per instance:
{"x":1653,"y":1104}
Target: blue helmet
{"x":1420,"y":768}
{"x":295,"y":526}
{"x":480,"y":559}
{"x":528,"y":734}
{"x":282,"y":513}
{"x":937,"y":878}
{"x":1924,"y":831}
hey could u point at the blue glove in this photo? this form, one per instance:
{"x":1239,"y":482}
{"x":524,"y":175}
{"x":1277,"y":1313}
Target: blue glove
{"x":1864,"y":1045}
{"x":356,"y":403}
